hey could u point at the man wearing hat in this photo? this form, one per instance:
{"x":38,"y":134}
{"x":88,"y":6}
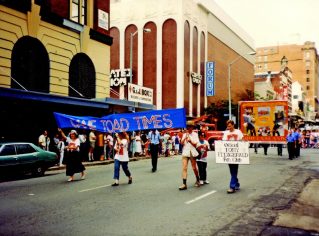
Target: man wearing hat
{"x":189,"y":141}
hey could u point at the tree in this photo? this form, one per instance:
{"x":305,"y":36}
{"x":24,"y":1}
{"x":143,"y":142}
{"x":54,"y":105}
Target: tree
{"x":219,"y":108}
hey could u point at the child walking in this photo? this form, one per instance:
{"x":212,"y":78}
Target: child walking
{"x":202,"y":148}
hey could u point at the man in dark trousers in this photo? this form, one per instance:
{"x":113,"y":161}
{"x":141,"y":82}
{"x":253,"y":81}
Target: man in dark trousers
{"x":154,"y":137}
{"x":291,"y":144}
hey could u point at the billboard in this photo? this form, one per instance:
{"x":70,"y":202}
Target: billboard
{"x":264,"y":121}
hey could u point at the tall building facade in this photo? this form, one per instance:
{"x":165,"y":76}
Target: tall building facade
{"x":302,"y":60}
{"x":54,"y":57}
{"x":168,"y":43}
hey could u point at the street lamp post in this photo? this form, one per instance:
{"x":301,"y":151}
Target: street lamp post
{"x":145,"y":30}
{"x":229,"y":81}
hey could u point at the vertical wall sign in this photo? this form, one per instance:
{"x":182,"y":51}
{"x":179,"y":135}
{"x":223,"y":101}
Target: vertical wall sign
{"x":103,"y":19}
{"x":210,"y":78}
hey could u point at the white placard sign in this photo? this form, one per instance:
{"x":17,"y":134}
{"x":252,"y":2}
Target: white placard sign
{"x":140,"y":94}
{"x":232,"y":152}
{"x":103,"y":19}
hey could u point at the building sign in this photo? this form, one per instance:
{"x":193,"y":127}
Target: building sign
{"x":119,"y":77}
{"x":210,"y":78}
{"x":232,"y":152}
{"x":140,"y":94}
{"x":196,"y":78}
{"x":103,"y":21}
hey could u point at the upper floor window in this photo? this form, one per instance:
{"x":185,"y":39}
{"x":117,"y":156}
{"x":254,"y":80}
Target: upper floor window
{"x":308,"y":87}
{"x":307,"y":55}
{"x":79,"y":11}
{"x":308,"y":72}
{"x":308,"y":79}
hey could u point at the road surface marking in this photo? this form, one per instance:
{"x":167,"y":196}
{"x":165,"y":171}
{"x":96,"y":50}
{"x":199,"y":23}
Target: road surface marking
{"x":200,"y":197}
{"x":89,"y":189}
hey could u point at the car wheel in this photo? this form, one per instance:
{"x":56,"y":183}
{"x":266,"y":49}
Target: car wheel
{"x":38,"y":170}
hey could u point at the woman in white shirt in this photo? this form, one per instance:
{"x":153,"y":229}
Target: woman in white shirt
{"x":121,"y":158}
{"x":138,"y":144}
{"x":73,"y":158}
{"x":232,"y":134}
{"x":189,"y":141}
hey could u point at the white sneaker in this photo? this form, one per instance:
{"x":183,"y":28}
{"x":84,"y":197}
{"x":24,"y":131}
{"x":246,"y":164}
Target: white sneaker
{"x":206,"y":182}
{"x":201,"y":182}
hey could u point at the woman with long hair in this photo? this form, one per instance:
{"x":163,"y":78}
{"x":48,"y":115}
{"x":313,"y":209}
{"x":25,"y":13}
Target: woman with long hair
{"x":121,"y":158}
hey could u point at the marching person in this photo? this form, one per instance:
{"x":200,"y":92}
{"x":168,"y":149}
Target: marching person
{"x":154,"y":137}
{"x":232,"y":134}
{"x":291,"y":144}
{"x":121,"y":158}
{"x":202,"y":148}
{"x":189,"y":153}
{"x":298,"y":141}
{"x":73,"y":158}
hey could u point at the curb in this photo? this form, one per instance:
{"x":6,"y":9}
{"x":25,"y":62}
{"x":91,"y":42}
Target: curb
{"x":96,"y":163}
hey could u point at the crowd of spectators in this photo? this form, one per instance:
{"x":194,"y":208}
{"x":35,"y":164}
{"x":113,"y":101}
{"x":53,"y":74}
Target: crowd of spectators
{"x":97,"y":146}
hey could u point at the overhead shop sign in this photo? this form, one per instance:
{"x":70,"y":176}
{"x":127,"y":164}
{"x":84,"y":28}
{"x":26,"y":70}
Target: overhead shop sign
{"x":210,"y":78}
{"x":140,"y":94}
{"x":119,"y":77}
{"x":196,"y":78}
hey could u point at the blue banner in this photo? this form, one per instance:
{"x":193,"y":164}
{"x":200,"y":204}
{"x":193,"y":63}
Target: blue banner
{"x":154,"y":119}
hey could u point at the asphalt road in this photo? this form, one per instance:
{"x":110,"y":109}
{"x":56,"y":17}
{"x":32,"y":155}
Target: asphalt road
{"x":153,"y":205}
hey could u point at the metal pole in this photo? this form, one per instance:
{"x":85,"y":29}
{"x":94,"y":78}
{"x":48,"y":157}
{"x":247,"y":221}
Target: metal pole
{"x":229,"y":94}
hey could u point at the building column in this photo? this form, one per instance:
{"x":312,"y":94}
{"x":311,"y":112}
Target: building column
{"x":122,"y":51}
{"x":180,"y":64}
{"x":190,"y":69}
{"x":140,"y":37}
{"x":159,"y":26}
{"x":198,"y":71}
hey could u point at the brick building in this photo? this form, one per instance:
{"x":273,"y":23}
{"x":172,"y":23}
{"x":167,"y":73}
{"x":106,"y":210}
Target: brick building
{"x":302,"y":60}
{"x":171,"y":42}
{"x":54,"y":56}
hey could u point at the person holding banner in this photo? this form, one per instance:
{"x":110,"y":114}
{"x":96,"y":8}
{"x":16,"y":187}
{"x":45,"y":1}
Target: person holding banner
{"x":73,"y":158}
{"x":121,"y":157}
{"x":189,"y":153}
{"x":232,"y":134}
